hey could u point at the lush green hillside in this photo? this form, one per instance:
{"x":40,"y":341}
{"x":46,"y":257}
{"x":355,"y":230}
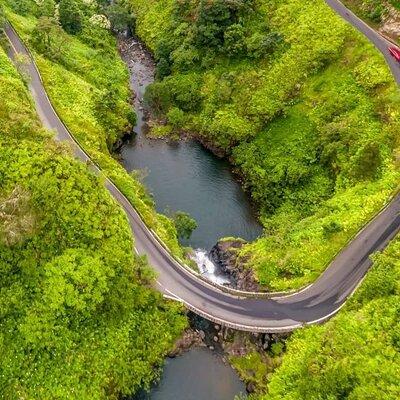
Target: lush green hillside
{"x":353,"y":356}
{"x":304,"y":106}
{"x":357,"y":354}
{"x":305,"y":109}
{"x":88,"y":85}
{"x":77,"y":317}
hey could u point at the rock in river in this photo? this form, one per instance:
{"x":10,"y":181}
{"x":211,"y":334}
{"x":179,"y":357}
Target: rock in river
{"x":225,"y":255}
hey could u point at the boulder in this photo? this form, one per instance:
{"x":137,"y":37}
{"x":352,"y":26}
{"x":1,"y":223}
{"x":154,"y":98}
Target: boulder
{"x":225,"y":255}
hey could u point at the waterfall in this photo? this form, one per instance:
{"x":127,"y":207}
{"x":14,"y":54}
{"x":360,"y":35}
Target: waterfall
{"x":208,"y":269}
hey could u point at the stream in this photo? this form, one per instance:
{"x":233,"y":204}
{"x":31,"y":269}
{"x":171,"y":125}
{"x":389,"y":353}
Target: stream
{"x":184,"y":176}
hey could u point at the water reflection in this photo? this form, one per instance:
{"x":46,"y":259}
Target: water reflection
{"x":197,"y":375}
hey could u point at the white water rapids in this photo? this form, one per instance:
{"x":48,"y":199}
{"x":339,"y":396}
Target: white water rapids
{"x":207,"y":268}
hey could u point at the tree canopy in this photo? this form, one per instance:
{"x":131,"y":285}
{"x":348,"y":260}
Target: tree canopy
{"x":70,"y":16}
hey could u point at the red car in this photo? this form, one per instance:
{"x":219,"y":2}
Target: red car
{"x":395,"y":52}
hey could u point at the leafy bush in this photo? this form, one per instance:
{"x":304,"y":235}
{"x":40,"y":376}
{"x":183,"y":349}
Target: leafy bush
{"x":176,"y":117}
{"x":185,"y":225}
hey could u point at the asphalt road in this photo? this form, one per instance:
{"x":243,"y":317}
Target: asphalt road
{"x":315,"y":304}
{"x":377,"y":40}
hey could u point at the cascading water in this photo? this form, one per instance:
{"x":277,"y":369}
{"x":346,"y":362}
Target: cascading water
{"x":208,"y":269}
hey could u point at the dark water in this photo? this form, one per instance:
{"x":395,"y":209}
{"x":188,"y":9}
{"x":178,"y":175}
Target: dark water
{"x":197,"y":375}
{"x":185,"y":176}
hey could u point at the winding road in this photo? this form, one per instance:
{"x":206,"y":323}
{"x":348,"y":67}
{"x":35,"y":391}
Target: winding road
{"x":314,"y":304}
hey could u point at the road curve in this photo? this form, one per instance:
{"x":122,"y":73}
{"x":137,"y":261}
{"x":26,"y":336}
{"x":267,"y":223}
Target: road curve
{"x":315,"y":304}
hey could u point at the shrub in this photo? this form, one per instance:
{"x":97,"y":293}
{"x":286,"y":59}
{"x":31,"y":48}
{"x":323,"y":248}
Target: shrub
{"x":176,"y":117}
{"x":71,"y":17}
{"x":185,"y":225}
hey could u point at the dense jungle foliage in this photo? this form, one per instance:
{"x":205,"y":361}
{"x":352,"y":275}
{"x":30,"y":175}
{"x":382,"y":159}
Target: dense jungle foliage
{"x":77,"y":317}
{"x":303,"y":105}
{"x":88,"y":84}
{"x":305,"y":108}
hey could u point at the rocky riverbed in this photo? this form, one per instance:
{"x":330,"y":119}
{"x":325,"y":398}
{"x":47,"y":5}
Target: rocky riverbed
{"x":225,"y":256}
{"x":232,"y":345}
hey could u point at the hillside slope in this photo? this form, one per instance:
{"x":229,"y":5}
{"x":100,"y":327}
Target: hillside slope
{"x":77,"y":317}
{"x":354,"y":356}
{"x":303,"y":105}
{"x":88,"y":84}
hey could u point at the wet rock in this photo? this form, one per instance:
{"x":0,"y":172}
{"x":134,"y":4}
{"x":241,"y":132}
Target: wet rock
{"x":225,"y":255}
{"x":116,"y":147}
{"x":250,"y":387}
{"x":189,"y":339}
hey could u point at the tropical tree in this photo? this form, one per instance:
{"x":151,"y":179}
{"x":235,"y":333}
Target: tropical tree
{"x":185,"y":224}
{"x":119,"y":16}
{"x":71,"y":17}
{"x":48,"y":37}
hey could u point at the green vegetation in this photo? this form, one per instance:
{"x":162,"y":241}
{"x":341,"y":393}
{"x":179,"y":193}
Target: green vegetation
{"x":185,"y":224}
{"x":372,"y":10}
{"x":313,"y":129}
{"x":77,"y":317}
{"x":70,"y":15}
{"x":256,"y":368}
{"x":304,"y":107}
{"x":88,"y":85}
{"x":356,"y":355}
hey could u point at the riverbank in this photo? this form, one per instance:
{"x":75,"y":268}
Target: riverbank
{"x":200,"y":365}
{"x":307,"y":122}
{"x":254,"y":356}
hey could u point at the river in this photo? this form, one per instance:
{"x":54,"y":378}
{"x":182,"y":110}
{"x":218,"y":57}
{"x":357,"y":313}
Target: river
{"x":185,"y":176}
{"x":196,"y":375}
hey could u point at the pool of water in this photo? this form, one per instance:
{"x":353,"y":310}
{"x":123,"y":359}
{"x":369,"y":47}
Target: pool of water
{"x":196,"y":375}
{"x":184,"y":175}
